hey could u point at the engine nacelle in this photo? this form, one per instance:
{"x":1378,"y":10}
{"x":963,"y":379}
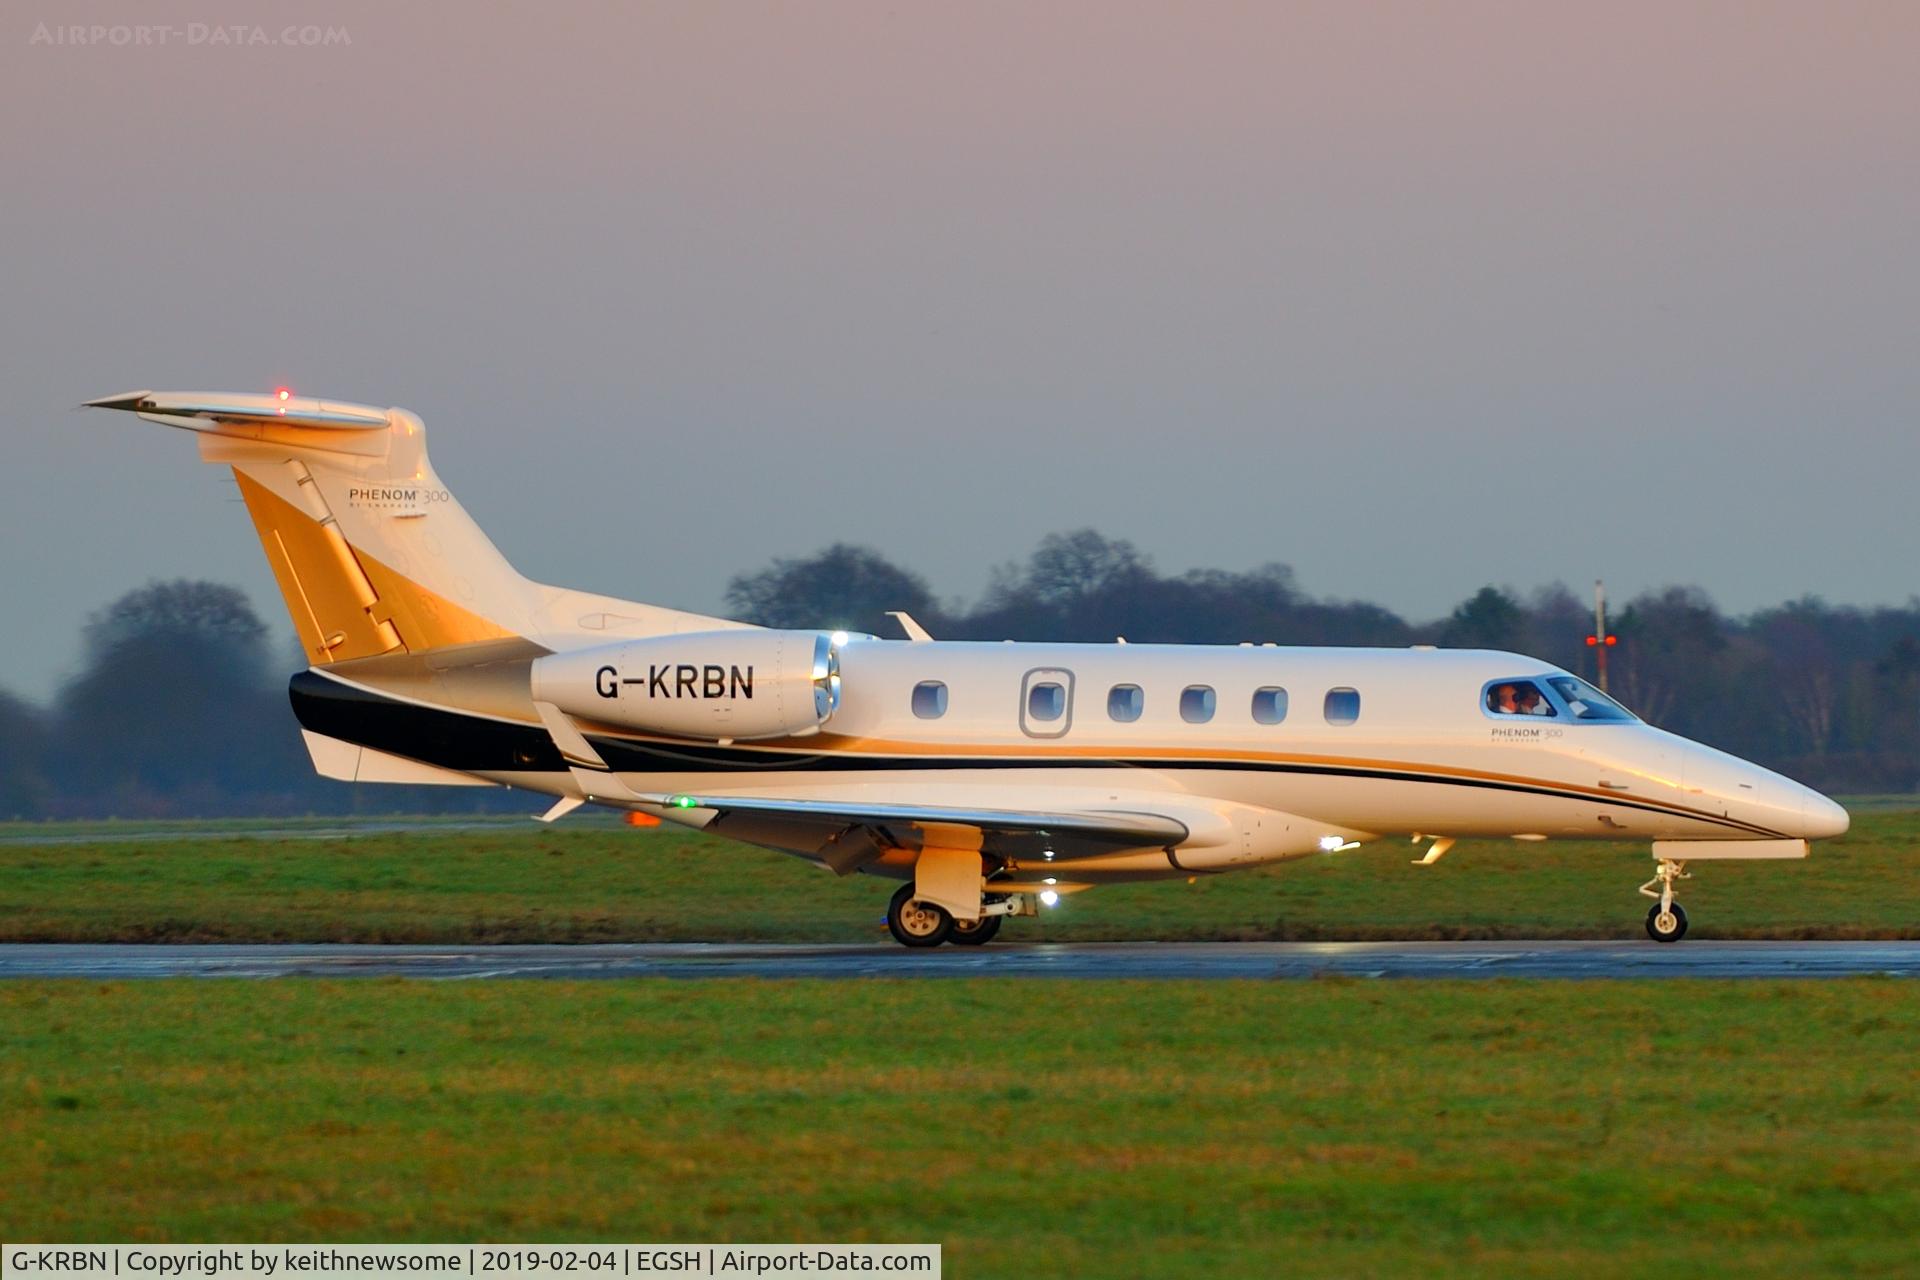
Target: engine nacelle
{"x":704,"y":684}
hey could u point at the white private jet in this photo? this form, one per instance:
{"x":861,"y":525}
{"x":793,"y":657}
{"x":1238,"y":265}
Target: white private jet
{"x":989,"y":778}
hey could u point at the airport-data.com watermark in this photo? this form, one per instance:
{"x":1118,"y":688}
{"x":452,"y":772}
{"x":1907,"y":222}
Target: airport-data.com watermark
{"x":188,"y":35}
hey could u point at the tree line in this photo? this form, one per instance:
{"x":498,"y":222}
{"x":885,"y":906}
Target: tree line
{"x":1827,"y":694}
{"x":179,"y":706}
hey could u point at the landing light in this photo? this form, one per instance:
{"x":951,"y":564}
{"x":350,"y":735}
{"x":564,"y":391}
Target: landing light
{"x":1048,"y":898}
{"x":1329,"y":844}
{"x":839,"y":637}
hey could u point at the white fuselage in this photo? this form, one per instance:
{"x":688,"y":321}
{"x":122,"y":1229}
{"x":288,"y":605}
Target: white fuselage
{"x":1407,"y":746}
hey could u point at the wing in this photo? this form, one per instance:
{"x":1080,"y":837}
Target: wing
{"x":846,"y":835}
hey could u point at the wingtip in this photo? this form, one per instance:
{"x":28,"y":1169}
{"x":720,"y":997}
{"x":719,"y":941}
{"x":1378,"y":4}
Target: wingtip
{"x":129,"y":400}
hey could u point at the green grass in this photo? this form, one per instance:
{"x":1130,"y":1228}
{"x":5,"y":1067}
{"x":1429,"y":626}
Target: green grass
{"x":1086,"y":1129}
{"x":119,"y":828}
{"x":582,"y":883}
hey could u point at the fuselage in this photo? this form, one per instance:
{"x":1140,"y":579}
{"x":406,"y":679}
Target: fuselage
{"x":989,"y":776}
{"x":1266,"y":752}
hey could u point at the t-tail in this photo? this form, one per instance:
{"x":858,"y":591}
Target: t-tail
{"x":372,"y":553}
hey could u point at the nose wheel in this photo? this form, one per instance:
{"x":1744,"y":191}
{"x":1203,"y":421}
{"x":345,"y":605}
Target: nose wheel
{"x":1667,"y":924}
{"x":1666,"y":919}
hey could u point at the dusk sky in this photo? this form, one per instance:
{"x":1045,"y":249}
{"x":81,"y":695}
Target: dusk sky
{"x":1413,"y":297}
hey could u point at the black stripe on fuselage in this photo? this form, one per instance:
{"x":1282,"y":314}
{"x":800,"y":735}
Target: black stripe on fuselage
{"x":475,"y":744}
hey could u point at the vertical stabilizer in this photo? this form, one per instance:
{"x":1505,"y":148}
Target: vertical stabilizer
{"x":370,"y":550}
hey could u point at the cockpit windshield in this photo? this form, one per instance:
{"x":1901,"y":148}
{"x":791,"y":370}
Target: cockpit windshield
{"x":1517,"y":698}
{"x":1584,"y":702}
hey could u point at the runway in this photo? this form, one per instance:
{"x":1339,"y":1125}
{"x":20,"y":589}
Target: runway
{"x":1111,"y":960}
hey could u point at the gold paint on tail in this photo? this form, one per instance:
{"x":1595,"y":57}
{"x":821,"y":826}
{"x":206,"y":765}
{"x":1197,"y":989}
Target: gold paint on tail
{"x":346,"y":604}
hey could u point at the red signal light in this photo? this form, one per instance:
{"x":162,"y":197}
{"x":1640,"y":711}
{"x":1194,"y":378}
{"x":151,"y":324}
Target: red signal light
{"x":1592,"y":640}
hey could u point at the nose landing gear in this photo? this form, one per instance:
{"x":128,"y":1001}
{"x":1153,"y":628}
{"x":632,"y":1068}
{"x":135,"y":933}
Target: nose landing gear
{"x":1666,"y":919}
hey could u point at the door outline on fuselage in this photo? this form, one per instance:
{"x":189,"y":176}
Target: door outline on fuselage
{"x":1046,"y":728}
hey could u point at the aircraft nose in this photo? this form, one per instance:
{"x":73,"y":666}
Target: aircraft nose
{"x":1822,"y":819}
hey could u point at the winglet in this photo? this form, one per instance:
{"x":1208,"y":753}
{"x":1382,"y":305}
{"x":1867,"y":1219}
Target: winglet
{"x":915,"y":632}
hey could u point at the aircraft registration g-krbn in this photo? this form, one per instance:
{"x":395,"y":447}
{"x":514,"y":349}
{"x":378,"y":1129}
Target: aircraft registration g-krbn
{"x":988,"y":778}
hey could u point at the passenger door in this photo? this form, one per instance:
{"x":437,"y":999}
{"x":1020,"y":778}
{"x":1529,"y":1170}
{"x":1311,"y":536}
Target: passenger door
{"x":1046,"y":702}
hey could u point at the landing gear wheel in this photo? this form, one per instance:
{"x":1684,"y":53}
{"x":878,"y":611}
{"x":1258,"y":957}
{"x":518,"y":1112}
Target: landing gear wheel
{"x":914,"y":923}
{"x":1669,"y":925}
{"x":975,"y":933}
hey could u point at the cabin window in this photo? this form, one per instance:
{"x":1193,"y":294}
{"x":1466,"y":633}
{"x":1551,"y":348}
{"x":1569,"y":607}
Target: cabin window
{"x":1343,"y":705}
{"x":1125,"y":702}
{"x":1516,"y":698}
{"x":1269,"y":705}
{"x":1196,"y":703}
{"x":1584,"y":702}
{"x":1046,"y":701}
{"x":930,"y":699}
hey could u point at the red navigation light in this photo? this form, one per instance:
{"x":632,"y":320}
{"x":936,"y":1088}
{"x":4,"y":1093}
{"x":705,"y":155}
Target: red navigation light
{"x":283,"y":393}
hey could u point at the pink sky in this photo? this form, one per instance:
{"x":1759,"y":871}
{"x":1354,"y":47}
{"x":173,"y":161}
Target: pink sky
{"x":1413,"y":297}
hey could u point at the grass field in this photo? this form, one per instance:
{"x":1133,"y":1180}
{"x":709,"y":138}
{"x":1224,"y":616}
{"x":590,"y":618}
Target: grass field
{"x":594,"y":883}
{"x":1086,"y":1129}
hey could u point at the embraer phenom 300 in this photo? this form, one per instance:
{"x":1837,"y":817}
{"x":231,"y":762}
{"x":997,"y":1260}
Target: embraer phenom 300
{"x":988,"y":778}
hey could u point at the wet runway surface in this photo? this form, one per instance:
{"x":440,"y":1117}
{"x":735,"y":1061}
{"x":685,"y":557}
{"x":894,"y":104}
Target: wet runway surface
{"x":1129,"y":960}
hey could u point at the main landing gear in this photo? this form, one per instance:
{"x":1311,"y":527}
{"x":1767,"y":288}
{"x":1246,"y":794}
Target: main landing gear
{"x":975,"y":933}
{"x":914,"y":923}
{"x":1666,"y":919}
{"x":917,"y":924}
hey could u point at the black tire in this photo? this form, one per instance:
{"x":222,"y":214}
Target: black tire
{"x":917,"y":924}
{"x":1676,"y":928}
{"x":975,"y":933}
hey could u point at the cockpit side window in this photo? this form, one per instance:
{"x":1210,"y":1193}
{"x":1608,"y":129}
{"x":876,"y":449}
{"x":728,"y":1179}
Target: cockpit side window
{"x":1584,"y":702}
{"x":1517,"y":697}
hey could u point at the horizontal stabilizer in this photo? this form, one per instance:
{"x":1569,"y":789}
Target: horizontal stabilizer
{"x":205,"y":410}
